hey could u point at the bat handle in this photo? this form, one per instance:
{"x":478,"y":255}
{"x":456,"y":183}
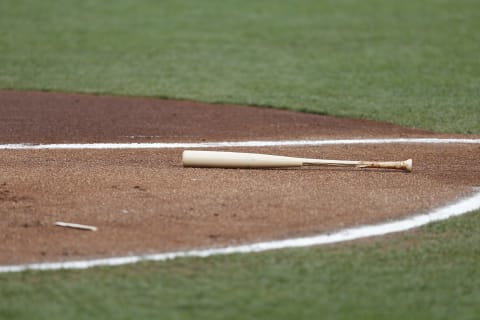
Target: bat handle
{"x":400,"y":165}
{"x":406,"y":165}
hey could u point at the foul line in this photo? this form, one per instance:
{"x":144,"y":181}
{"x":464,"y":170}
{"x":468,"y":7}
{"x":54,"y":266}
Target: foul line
{"x":456,"y":209}
{"x":177,"y":145}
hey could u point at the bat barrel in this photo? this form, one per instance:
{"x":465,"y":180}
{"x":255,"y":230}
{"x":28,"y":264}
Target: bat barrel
{"x":222,"y":159}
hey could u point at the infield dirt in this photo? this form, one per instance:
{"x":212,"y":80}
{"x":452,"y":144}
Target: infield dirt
{"x":144,"y":201}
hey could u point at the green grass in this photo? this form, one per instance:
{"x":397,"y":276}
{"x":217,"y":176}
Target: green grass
{"x":431,"y":273}
{"x":411,"y":62}
{"x":414,"y":63}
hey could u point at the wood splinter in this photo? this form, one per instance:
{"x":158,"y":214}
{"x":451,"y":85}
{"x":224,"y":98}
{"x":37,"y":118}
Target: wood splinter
{"x":75,"y":226}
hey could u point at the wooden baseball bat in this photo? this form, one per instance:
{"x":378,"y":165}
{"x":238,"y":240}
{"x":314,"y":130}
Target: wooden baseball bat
{"x":221,"y":159}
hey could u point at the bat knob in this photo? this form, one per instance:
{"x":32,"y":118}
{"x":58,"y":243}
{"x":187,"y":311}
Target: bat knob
{"x":408,"y":165}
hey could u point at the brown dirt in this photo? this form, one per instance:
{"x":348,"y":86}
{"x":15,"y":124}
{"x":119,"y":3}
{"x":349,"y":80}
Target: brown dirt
{"x":145,"y":201}
{"x":39,"y":117}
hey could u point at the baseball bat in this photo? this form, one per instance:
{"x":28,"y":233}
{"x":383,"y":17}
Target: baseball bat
{"x":221,"y":159}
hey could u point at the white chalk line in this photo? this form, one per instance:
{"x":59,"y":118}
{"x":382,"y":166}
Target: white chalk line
{"x":461,"y":207}
{"x":458,"y":208}
{"x":284,"y":143}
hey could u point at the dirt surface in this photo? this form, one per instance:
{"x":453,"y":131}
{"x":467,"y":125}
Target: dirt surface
{"x":144,"y":201}
{"x":39,"y":117}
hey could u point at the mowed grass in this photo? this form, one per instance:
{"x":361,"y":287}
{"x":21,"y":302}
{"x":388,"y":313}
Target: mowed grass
{"x":414,"y":63}
{"x":430,"y":273}
{"x":409,"y":62}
